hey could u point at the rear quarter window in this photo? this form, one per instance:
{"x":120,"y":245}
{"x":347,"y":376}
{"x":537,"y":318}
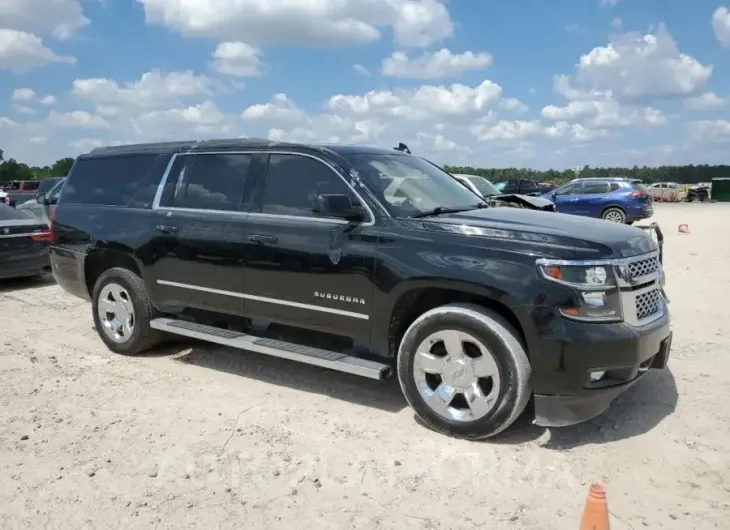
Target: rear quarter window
{"x":638,"y":186}
{"x":125,"y":180}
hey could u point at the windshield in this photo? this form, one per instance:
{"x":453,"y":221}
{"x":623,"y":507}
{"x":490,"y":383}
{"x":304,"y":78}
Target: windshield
{"x":485,"y":187}
{"x":409,"y":185}
{"x":499,"y":186}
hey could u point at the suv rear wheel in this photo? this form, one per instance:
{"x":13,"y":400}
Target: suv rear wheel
{"x":464,"y":371}
{"x":615,"y":215}
{"x":122,"y":312}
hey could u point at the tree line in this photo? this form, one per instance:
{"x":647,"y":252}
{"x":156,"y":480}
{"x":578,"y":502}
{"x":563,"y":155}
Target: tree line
{"x":690,"y":174}
{"x":13,"y":170}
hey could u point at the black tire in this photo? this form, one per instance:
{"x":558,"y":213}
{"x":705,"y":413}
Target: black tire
{"x":143,"y":337}
{"x":614,"y":210}
{"x":506,"y":349}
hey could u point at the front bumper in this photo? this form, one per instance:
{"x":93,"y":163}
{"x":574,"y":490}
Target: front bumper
{"x":625,"y":363}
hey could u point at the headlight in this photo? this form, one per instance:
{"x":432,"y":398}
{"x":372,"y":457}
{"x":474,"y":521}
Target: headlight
{"x":595,"y":287}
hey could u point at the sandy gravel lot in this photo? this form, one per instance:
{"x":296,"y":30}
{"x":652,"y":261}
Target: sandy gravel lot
{"x":197,"y":435}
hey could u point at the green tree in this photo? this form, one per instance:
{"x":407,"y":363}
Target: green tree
{"x":61,"y":167}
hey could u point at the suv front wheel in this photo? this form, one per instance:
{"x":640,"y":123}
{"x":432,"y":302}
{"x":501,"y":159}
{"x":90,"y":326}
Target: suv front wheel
{"x":122,"y":312}
{"x":464,"y":371}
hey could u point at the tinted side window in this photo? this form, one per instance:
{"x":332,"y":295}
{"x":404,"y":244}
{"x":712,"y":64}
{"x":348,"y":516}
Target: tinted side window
{"x":594,"y":187}
{"x":126,"y":180}
{"x":567,"y":190}
{"x":210,"y":182}
{"x":55,"y":193}
{"x":615,"y":186}
{"x":293,"y":183}
{"x":31,"y":185}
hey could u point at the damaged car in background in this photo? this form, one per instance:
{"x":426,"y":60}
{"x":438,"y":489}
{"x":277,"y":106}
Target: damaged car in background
{"x":485,"y":189}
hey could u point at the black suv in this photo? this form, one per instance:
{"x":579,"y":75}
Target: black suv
{"x":368,"y":261}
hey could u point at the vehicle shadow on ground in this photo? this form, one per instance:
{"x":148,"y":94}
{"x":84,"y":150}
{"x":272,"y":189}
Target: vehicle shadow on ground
{"x":384,"y":395}
{"x":634,"y":413}
{"x":21,"y":284}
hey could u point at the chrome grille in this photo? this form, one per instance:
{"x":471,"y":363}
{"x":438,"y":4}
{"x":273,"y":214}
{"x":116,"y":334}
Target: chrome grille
{"x":644,"y":267}
{"x":648,"y":304}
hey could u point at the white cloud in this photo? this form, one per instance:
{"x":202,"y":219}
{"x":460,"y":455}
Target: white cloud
{"x":237,"y":59}
{"x":711,"y":130}
{"x":204,"y":120}
{"x":438,"y":142}
{"x":424,"y":103}
{"x":62,"y":18}
{"x":434,"y":65}
{"x":416,"y":23}
{"x":360,"y":69}
{"x":279,"y":108}
{"x":636,"y":66}
{"x":47,"y":100}
{"x":154,"y":90}
{"x":507,"y":130}
{"x":708,"y":100}
{"x":21,"y":51}
{"x":23,"y":94}
{"x":513,"y":104}
{"x":22,"y":109}
{"x":721,"y":25}
{"x":77,"y":118}
{"x":600,"y":113}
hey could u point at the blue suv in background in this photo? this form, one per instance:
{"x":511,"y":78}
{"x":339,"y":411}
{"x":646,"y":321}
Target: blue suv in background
{"x":620,"y":200}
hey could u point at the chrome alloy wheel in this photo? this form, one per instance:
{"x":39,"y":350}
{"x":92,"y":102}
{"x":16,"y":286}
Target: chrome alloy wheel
{"x":456,"y":375}
{"x":116,"y":312}
{"x":614,"y":216}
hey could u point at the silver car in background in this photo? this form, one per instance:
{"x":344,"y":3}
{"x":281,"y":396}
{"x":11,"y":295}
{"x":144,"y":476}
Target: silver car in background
{"x":40,"y":207}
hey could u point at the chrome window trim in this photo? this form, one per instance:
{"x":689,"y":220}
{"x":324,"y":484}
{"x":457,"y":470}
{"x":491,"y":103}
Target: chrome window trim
{"x":166,"y":174}
{"x":266,"y":299}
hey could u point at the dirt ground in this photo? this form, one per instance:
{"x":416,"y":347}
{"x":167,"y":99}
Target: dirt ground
{"x":200,"y":436}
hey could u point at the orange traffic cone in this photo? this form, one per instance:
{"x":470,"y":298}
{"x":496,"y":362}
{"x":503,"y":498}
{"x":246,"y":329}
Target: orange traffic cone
{"x":595,"y":515}
{"x":684,"y":229}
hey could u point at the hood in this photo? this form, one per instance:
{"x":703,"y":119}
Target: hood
{"x":524,"y":201}
{"x":570,"y":236}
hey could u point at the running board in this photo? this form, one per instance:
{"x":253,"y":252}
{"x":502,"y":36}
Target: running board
{"x":277,"y":348}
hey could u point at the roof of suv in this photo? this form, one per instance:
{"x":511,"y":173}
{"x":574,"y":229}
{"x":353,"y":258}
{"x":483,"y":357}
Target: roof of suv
{"x":240,"y":143}
{"x":606,"y":179}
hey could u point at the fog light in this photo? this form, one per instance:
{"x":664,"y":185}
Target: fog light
{"x":597,"y":376}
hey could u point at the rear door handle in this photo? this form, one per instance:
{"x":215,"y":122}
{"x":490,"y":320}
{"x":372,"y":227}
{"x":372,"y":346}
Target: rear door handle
{"x":264,"y":239}
{"x":166,"y":229}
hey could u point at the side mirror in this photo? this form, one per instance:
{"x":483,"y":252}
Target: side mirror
{"x":338,"y":207}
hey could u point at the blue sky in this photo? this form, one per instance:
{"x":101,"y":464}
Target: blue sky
{"x":529,"y":83}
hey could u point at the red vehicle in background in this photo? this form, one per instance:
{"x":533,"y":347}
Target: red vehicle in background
{"x":19,"y":191}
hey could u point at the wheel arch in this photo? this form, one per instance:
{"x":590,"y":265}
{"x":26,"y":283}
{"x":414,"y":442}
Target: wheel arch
{"x":102,"y":258}
{"x":416,"y":297}
{"x":615,"y":206}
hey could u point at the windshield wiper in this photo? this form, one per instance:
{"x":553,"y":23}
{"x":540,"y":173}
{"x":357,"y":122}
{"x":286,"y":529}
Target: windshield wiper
{"x":439,"y":210}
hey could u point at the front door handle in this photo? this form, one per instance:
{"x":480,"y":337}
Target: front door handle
{"x":264,"y":239}
{"x":166,"y":229}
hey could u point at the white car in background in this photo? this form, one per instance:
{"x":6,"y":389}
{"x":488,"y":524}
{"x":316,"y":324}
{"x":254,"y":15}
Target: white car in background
{"x":667,"y":191}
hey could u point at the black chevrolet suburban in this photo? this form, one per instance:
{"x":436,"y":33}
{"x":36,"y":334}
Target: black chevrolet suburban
{"x":369,"y":261}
